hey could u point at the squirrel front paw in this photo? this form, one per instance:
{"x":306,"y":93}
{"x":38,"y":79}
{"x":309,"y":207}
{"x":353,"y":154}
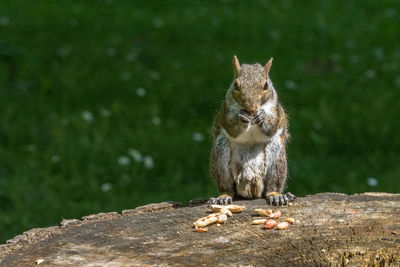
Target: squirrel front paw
{"x":259,"y":116}
{"x":244,"y":116}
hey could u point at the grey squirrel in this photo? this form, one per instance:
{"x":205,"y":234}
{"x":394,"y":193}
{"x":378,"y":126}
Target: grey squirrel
{"x":250,"y":132}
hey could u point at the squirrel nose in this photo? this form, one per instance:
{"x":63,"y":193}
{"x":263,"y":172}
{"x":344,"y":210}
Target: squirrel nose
{"x":252,"y":110}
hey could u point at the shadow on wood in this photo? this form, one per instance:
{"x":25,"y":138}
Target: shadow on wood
{"x":330,"y":228}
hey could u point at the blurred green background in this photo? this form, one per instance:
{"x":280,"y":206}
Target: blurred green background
{"x":107,"y":105}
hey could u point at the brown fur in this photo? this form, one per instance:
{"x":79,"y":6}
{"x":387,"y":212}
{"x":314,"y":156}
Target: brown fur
{"x":226,"y":165}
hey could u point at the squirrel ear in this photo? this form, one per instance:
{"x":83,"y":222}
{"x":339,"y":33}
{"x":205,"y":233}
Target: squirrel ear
{"x":268,"y":65}
{"x":236,"y":66}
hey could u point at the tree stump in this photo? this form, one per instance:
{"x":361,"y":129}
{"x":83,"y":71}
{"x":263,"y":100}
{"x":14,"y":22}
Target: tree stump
{"x":330,"y":229}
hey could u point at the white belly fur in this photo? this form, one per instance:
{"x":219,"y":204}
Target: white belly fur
{"x":252,"y":135}
{"x":251,"y":160}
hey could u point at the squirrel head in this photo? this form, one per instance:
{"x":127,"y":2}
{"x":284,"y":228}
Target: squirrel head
{"x":251,"y":85}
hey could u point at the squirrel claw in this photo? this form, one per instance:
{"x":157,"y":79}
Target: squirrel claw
{"x":290,"y":196}
{"x":280,"y":200}
{"x":221,"y":200}
{"x":244,"y":116}
{"x":259,"y":116}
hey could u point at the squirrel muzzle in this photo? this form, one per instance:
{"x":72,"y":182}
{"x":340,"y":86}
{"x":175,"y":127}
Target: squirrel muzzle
{"x":251,"y":109}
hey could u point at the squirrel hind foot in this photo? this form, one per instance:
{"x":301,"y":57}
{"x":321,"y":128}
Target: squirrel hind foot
{"x":223,"y":199}
{"x":277,"y":199}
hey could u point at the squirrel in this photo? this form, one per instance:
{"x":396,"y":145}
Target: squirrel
{"x":250,"y":133}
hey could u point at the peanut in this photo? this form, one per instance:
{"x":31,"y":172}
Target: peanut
{"x":282,"y":225}
{"x":264,"y":213}
{"x":222,"y":218}
{"x":205,"y":221}
{"x":201,"y":230}
{"x":289,"y":220}
{"x":269,"y":224}
{"x":276,"y":215}
{"x":259,"y":221}
{"x":224,"y":210}
{"x":233,"y":208}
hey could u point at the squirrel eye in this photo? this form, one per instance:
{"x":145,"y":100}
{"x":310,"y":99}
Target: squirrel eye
{"x":236,"y":86}
{"x":266,"y":85}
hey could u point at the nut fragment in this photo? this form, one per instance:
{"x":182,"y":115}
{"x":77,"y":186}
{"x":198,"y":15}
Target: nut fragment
{"x":282,"y":225}
{"x":210,"y":219}
{"x":222,"y":218}
{"x":201,"y":230}
{"x":276,"y":215}
{"x":274,"y":194}
{"x":263,"y":212}
{"x":39,"y":261}
{"x":269,"y":224}
{"x":289,"y":220}
{"x":224,"y":210}
{"x":233,"y":208}
{"x":259,"y":221}
{"x":205,"y":221}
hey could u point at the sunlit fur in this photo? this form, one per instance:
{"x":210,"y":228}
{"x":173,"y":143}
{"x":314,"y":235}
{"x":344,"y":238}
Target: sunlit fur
{"x":246,"y":159}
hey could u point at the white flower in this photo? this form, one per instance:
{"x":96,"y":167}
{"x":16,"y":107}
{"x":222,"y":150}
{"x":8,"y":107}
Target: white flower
{"x":87,"y":116}
{"x":389,"y":12}
{"x":106,"y":187}
{"x":140,"y":91}
{"x":370,"y":74}
{"x":148,"y":162}
{"x":131,"y":57}
{"x":379,"y":53}
{"x":275,"y":35}
{"x":156,"y":120}
{"x":290,"y":84}
{"x":349,"y":43}
{"x":4,"y":21}
{"x":336,"y":57}
{"x":337,"y":69}
{"x":154,"y":75}
{"x":73,"y":22}
{"x":31,"y":148}
{"x":371,"y":181}
{"x":111,"y":52}
{"x":198,"y":137}
{"x":158,"y":23}
{"x":126,"y":76}
{"x":63,"y":51}
{"x":124,"y":160}
{"x":215,"y":21}
{"x":397,"y":81}
{"x":177,"y":64}
{"x":135,"y":154}
{"x":354,"y":59}
{"x":125,"y":177}
{"x":105,"y":112}
{"x":55,"y":158}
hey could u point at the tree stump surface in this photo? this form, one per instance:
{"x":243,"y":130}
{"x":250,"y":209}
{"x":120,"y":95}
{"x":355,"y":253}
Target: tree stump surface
{"x":330,"y":229}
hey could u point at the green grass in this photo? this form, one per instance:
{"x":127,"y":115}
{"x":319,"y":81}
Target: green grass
{"x":336,"y":70}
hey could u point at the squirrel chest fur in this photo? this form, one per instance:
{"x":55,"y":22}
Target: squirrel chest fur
{"x":250,"y":132}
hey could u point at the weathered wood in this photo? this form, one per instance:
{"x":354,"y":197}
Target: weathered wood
{"x":330,"y":229}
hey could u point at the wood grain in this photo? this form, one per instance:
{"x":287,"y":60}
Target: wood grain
{"x":330,"y":229}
